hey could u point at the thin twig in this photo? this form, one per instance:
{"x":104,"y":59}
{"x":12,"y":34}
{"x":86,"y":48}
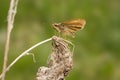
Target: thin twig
{"x":11,"y":16}
{"x":24,"y":53}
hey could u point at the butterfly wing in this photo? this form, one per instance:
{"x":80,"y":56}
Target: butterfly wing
{"x":75,"y":25}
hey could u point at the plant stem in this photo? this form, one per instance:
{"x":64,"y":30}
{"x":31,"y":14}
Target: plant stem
{"x":23,"y":54}
{"x":11,"y":16}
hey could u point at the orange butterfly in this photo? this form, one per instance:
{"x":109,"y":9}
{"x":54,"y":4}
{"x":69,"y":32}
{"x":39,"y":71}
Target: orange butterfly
{"x":70,"y":27}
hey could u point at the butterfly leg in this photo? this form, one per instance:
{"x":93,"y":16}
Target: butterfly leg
{"x":73,"y":46}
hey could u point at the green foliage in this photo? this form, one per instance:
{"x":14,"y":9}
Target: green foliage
{"x":96,"y":55}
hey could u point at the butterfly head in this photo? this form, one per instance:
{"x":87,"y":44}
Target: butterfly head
{"x":57,"y":26}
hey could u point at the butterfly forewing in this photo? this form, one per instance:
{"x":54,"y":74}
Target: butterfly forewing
{"x":75,"y":24}
{"x":79,"y":22}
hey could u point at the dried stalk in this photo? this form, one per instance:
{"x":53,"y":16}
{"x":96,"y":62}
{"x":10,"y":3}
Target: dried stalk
{"x":24,"y":53}
{"x":11,"y":15}
{"x":60,"y":61}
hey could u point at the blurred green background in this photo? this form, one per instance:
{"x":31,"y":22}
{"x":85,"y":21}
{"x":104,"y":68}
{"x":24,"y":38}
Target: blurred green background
{"x":97,"y":51}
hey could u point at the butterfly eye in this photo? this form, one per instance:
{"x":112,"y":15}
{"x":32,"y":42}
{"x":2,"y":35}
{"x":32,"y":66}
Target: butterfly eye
{"x":56,"y":24}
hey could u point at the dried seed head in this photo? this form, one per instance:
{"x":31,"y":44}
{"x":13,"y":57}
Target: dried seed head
{"x":59,"y":63}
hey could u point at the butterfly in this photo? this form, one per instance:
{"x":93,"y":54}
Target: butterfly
{"x":69,"y":27}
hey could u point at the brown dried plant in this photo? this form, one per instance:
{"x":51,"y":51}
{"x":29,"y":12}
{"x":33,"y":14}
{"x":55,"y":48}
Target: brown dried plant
{"x":59,"y":63}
